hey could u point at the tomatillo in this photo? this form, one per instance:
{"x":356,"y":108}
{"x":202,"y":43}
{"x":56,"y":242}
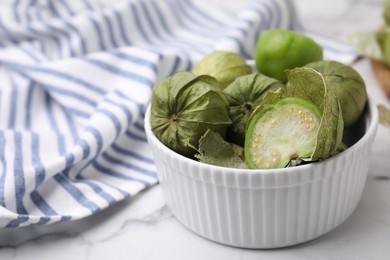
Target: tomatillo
{"x":281,"y":132}
{"x":225,"y":66}
{"x":278,"y":50}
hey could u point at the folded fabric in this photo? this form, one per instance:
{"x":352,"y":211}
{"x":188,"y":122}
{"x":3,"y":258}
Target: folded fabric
{"x":75,"y":79}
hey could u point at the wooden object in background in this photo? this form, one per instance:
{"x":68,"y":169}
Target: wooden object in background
{"x":382,"y":73}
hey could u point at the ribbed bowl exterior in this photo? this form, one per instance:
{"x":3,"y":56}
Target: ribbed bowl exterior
{"x":264,"y":208}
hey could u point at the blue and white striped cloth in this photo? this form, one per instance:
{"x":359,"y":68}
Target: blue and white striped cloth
{"x":75,"y":78}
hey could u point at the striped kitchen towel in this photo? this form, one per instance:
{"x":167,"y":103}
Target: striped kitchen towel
{"x":75,"y":78}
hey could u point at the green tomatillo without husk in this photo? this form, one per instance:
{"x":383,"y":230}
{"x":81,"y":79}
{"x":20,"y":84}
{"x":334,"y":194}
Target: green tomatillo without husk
{"x":225,"y":66}
{"x":184,"y":106}
{"x":278,"y":50}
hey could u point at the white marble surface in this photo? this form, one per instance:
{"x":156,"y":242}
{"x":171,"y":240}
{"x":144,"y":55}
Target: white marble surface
{"x":144,"y":228}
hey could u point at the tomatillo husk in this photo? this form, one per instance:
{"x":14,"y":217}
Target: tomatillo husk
{"x":348,"y":85}
{"x":184,"y":106}
{"x":225,"y":66}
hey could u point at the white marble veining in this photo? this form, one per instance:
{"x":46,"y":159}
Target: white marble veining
{"x":143,"y":227}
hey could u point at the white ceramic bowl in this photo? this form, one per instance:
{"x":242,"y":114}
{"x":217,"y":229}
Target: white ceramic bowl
{"x":265,"y":208}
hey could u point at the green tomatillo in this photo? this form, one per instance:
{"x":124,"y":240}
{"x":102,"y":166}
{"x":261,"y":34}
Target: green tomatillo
{"x":184,"y":106}
{"x":282,"y":132}
{"x":278,"y":50}
{"x":225,"y":66}
{"x":306,"y":126}
{"x":348,"y":86}
{"x":244,"y":95}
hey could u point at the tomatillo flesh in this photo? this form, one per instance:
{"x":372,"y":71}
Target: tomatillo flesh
{"x":281,"y":132}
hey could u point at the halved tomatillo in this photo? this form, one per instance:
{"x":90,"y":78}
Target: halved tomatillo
{"x":281,"y":132}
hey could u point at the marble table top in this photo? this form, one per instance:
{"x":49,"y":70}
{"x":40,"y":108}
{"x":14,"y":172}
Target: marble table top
{"x":144,"y":228}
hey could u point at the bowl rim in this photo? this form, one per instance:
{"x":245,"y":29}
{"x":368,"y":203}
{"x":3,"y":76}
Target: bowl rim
{"x":371,"y":126}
